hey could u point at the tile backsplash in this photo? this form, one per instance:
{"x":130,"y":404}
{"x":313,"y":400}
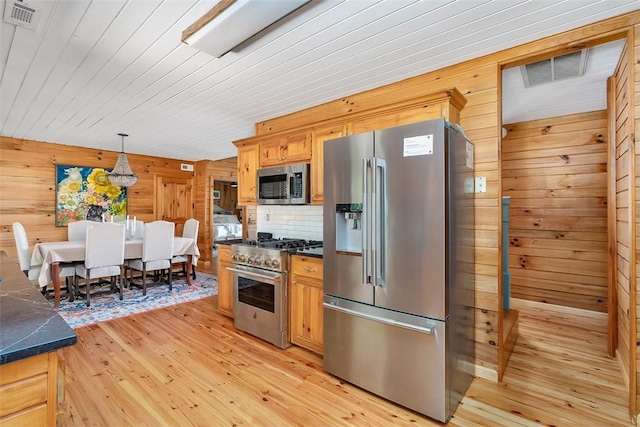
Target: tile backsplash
{"x":303,"y":222}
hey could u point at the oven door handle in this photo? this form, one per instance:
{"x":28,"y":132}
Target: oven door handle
{"x":276,"y":278}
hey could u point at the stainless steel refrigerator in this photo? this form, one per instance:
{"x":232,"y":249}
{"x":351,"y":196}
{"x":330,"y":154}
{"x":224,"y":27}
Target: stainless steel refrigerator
{"x":399,"y":264}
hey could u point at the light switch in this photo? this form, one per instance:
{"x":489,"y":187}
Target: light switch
{"x":481,"y":184}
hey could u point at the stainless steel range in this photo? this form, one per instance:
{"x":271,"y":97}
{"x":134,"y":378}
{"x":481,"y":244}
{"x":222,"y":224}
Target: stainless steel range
{"x":260,"y":270}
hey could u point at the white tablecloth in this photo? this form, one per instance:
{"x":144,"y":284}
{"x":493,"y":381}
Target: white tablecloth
{"x":69,"y":251}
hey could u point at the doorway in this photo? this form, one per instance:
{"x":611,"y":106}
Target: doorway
{"x":556,"y":167}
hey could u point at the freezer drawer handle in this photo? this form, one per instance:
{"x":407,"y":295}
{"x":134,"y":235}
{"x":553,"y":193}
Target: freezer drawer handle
{"x":423,"y":329}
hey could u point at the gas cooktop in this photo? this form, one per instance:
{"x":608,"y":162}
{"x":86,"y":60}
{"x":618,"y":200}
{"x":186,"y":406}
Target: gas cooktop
{"x":283,"y":243}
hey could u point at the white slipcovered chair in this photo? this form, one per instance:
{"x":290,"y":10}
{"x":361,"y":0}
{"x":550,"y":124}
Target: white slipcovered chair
{"x":157,"y":252}
{"x":190,"y":231}
{"x":77,"y":230}
{"x":104,"y":257}
{"x":24,"y":257}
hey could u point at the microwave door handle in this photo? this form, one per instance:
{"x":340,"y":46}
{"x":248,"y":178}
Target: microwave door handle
{"x":291,"y":186}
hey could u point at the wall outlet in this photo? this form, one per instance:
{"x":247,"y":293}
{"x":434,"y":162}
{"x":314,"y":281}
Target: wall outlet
{"x":481,"y":184}
{"x":469,"y":185}
{"x":186,"y":167}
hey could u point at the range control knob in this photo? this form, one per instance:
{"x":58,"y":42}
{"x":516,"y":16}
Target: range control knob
{"x":258,"y":261}
{"x":267,"y":262}
{"x":242,"y":258}
{"x":234,"y":257}
{"x":251,"y":260}
{"x":275,"y":263}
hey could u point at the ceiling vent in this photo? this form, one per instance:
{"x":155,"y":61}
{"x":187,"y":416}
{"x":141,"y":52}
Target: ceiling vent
{"x":22,"y":14}
{"x":556,"y":68}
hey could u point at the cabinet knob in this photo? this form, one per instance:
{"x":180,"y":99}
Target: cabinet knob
{"x":310,"y":269}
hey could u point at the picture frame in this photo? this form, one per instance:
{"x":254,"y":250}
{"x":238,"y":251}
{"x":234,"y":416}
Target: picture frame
{"x":85,"y":192}
{"x":216,"y":194}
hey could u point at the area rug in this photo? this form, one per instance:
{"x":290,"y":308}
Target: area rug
{"x":108,"y":306}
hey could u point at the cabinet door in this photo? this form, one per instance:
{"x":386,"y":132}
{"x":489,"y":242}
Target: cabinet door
{"x":272,"y":152}
{"x":305,"y":305}
{"x":247,"y":172}
{"x":306,"y":313}
{"x":319,"y":136}
{"x":297,"y":148}
{"x":225,"y":281}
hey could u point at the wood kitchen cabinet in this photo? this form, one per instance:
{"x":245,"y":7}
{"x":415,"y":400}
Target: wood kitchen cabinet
{"x":225,"y":281}
{"x":28,"y":391}
{"x":319,"y":136}
{"x":295,"y":148}
{"x":247,"y":171}
{"x":305,"y":303}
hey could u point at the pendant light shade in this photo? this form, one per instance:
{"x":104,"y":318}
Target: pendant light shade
{"x":122,"y":174}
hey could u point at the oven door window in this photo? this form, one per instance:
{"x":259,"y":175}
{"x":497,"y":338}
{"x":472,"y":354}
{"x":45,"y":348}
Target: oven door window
{"x":257,"y":294}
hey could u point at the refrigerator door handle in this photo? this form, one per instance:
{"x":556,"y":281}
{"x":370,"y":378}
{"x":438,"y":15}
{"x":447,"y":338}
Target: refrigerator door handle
{"x":377,"y":221}
{"x":364,"y":223}
{"x":429,"y":329}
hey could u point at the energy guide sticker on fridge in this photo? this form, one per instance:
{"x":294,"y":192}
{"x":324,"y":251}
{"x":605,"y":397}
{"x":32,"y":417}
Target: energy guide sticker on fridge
{"x":418,"y":145}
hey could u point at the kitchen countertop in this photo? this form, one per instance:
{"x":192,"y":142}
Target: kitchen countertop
{"x":313,"y":252}
{"x":228,"y":242}
{"x":29,"y":325}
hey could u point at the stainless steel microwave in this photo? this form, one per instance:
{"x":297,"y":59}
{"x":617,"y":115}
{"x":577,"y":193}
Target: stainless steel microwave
{"x":284,"y":185}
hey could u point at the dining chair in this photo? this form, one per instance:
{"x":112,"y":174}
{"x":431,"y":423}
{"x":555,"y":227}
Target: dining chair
{"x":190,"y":231}
{"x":103,"y":257}
{"x":157,"y":252}
{"x":77,"y":230}
{"x":24,"y":258}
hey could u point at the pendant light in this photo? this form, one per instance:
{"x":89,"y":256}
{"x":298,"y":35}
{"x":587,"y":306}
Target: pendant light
{"x":122,"y":174}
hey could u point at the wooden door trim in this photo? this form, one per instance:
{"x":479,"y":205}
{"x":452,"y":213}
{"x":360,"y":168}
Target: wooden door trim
{"x":612,"y":293}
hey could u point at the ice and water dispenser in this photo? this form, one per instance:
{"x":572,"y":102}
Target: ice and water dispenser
{"x":349,"y":227}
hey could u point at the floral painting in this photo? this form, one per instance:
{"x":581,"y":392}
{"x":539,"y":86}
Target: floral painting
{"x":86,"y":193}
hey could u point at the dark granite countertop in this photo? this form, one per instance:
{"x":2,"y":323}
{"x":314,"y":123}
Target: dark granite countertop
{"x":228,"y":242}
{"x":313,"y":252}
{"x":29,"y":325}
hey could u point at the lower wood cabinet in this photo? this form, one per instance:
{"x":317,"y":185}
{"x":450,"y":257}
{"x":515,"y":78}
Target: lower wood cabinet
{"x":305,"y":303}
{"x":28,"y":391}
{"x":225,"y":281}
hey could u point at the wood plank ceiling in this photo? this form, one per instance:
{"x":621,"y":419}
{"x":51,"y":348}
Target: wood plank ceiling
{"x":92,"y":69}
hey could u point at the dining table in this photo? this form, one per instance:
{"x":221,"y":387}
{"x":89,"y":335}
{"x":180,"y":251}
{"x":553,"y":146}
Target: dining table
{"x":49,"y":255}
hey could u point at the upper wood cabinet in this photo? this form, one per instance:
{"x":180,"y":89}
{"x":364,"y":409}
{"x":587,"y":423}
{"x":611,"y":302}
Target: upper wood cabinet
{"x":247,"y":170}
{"x":319,"y":136}
{"x":280,"y":150}
{"x":300,"y":138}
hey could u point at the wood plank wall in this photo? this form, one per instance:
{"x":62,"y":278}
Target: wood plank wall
{"x":555,"y":171}
{"x":27,"y":185}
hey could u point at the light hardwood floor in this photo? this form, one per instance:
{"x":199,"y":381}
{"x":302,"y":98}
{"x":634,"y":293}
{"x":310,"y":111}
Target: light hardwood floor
{"x":186,"y":365}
